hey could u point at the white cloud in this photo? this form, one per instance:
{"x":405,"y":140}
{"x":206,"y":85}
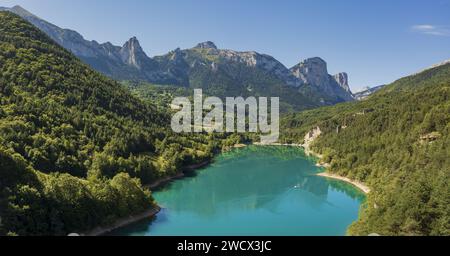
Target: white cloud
{"x":431,"y":30}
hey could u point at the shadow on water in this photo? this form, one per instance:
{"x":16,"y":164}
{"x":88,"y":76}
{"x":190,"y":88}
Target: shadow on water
{"x":349,"y":190}
{"x":168,"y":184}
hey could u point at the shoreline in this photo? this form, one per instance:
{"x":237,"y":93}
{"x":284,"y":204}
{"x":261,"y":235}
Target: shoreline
{"x":101,"y":230}
{"x":160,"y":182}
{"x":98,"y":231}
{"x":122,"y":222}
{"x":163,"y":181}
{"x":194,"y":167}
{"x":361,"y":186}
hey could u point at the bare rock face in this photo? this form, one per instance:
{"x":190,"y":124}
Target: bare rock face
{"x":312,"y":135}
{"x":342,"y":80}
{"x":132,"y":53}
{"x":309,"y":138}
{"x":250,"y":59}
{"x":111,"y":51}
{"x":263,"y":62}
{"x":206,"y":45}
{"x":312,"y":71}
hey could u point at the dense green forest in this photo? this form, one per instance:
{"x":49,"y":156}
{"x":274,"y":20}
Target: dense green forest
{"x":398,"y":143}
{"x":159,"y":95}
{"x":75,"y":146}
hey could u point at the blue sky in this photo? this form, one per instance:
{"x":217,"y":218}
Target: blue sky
{"x":376,"y":42}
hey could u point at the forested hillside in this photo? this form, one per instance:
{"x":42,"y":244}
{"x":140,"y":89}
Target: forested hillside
{"x":76,"y":146}
{"x":397,"y":142}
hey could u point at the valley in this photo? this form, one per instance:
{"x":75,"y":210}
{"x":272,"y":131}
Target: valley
{"x":85,"y":131}
{"x":219,"y":72}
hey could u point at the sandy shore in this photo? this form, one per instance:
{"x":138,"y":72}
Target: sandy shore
{"x":123,"y":222}
{"x":357,"y":184}
{"x":319,"y":163}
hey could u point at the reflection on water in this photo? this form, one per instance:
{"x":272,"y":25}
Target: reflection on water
{"x":254,"y":191}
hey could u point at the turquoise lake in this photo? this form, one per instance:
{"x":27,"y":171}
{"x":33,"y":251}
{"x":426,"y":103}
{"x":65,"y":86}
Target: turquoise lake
{"x":256,"y":190}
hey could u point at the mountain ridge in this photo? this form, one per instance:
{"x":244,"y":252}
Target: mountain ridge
{"x":130,"y":62}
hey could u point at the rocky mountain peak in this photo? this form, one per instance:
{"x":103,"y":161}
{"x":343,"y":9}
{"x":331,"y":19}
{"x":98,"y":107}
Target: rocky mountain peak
{"x":175,"y":67}
{"x":132,"y":43}
{"x":342,"y":80}
{"x":206,"y":45}
{"x":315,"y":64}
{"x":132,"y":53}
{"x":17,"y":9}
{"x":312,"y":71}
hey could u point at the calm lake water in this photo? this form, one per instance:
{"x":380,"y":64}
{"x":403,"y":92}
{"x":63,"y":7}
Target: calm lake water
{"x":257,"y":190}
